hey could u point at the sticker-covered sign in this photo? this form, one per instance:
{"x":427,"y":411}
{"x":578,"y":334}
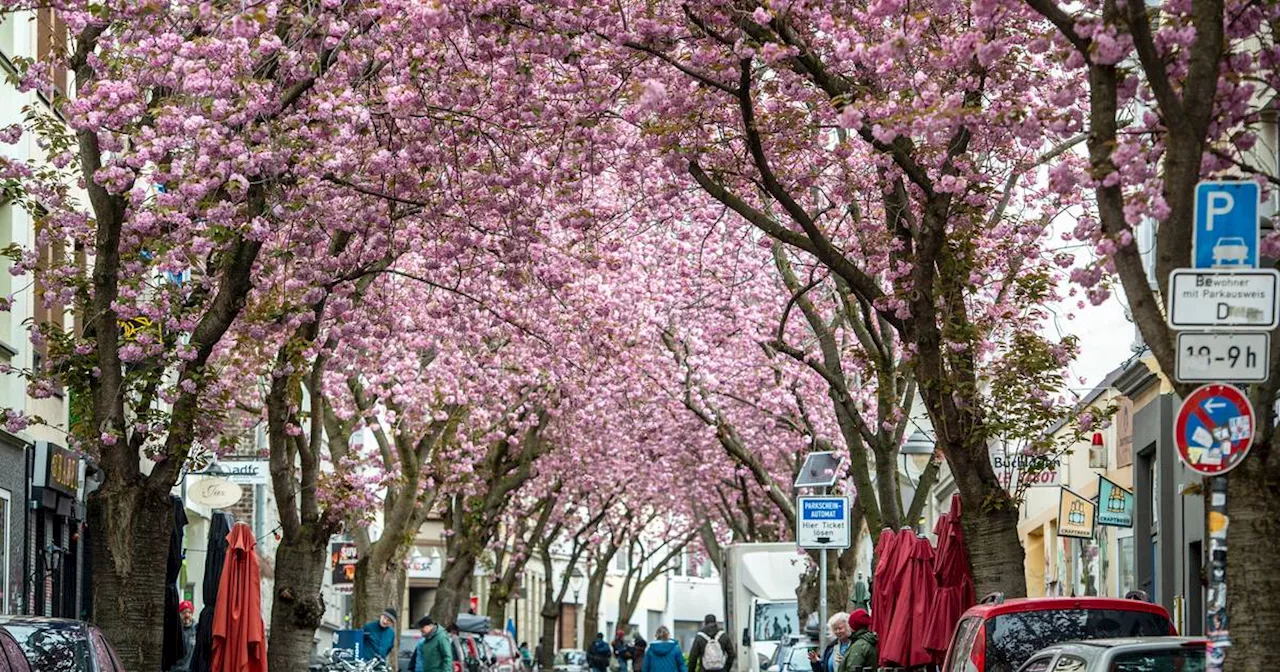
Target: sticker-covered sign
{"x":1075,"y":515}
{"x":1214,"y":429}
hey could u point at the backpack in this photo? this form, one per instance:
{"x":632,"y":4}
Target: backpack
{"x":713,"y":656}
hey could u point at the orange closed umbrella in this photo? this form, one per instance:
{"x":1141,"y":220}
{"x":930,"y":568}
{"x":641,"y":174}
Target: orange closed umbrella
{"x":239,"y":639}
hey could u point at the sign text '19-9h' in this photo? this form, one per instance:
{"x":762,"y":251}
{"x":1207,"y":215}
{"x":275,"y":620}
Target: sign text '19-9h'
{"x":822,"y":522}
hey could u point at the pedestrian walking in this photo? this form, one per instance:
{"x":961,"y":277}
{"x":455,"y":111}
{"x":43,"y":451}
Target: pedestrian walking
{"x":621,"y":650}
{"x":598,"y":654}
{"x":863,"y":650}
{"x":434,"y":652}
{"x":712,"y":649}
{"x":834,"y":654}
{"x":525,"y":656}
{"x":380,"y":635}
{"x":537,"y":655}
{"x":638,"y":648}
{"x":663,"y":655}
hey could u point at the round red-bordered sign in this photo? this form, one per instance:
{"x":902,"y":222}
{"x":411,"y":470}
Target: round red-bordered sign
{"x":1214,"y":430}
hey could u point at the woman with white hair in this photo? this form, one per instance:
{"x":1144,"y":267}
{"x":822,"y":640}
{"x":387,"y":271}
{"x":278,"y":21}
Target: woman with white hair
{"x":834,"y":654}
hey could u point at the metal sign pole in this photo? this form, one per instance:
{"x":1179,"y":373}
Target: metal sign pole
{"x":1219,"y":634}
{"x":822,"y":600}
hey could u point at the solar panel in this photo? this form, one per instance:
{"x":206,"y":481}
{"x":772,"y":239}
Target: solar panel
{"x":820,"y":470}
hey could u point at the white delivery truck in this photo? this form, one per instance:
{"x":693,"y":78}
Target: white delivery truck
{"x":760,"y":585}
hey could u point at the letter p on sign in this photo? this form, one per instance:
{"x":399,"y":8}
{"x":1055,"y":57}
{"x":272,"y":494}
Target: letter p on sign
{"x":1220,"y":203}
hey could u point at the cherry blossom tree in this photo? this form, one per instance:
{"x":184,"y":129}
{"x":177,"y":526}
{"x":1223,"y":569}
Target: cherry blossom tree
{"x":1172,"y":93}
{"x":889,"y":151}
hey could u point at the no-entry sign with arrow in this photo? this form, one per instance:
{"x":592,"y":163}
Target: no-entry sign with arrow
{"x":1214,"y":430}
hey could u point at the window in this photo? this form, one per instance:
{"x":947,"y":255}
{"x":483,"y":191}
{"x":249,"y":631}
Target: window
{"x":50,"y":255}
{"x":962,"y":644}
{"x":51,"y":37}
{"x":1127,"y":564}
{"x":1014,"y":638}
{"x":1181,"y":659}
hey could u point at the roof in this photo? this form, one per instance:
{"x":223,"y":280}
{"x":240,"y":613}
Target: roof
{"x":1137,"y":641}
{"x":42,"y":622}
{"x":993,"y":609}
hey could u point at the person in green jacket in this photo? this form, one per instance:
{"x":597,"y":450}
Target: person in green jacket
{"x":435,"y":651}
{"x":863,"y":651}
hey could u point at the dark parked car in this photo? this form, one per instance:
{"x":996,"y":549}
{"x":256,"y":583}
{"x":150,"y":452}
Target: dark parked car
{"x":999,"y":635}
{"x":37,"y":644}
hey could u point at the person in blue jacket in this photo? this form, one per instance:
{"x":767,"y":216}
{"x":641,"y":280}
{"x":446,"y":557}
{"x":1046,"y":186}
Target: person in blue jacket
{"x":380,"y":635}
{"x":663,"y":654}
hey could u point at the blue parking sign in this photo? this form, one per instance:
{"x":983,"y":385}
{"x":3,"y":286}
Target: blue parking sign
{"x":1226,"y":225}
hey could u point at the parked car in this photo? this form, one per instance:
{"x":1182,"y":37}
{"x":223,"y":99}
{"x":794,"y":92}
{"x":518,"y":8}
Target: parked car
{"x":1139,"y":654}
{"x":999,"y":636}
{"x":476,"y":655}
{"x":571,"y":660}
{"x":792,"y":655}
{"x":506,"y":652}
{"x":37,"y":644}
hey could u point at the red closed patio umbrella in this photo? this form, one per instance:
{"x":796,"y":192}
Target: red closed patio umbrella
{"x":955,"y":582}
{"x":239,"y":638}
{"x":904,"y":644}
{"x":882,"y":588}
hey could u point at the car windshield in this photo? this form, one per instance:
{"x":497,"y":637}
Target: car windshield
{"x":501,"y":646}
{"x":52,"y":649}
{"x":1181,"y":659}
{"x":799,"y":658}
{"x":1013,"y":638}
{"x":775,"y":620}
{"x":571,"y":658}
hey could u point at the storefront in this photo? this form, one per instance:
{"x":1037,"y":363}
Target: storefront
{"x":55,"y":534}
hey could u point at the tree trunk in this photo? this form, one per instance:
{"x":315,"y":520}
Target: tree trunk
{"x":130,"y":546}
{"x":454,"y":590}
{"x":375,"y":589}
{"x":298,"y":607}
{"x":550,"y":633}
{"x":1253,"y":567}
{"x":995,"y":552}
{"x":595,"y":594}
{"x":496,"y":607}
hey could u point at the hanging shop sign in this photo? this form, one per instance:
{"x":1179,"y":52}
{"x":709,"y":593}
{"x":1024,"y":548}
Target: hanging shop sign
{"x":1115,"y":504}
{"x":1076,"y":514}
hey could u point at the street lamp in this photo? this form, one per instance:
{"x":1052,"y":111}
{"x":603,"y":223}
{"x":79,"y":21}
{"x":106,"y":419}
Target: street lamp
{"x":917,"y":444}
{"x":576,"y":579}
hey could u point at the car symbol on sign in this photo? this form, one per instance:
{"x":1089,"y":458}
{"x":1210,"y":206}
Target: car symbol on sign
{"x":1230,"y":251}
